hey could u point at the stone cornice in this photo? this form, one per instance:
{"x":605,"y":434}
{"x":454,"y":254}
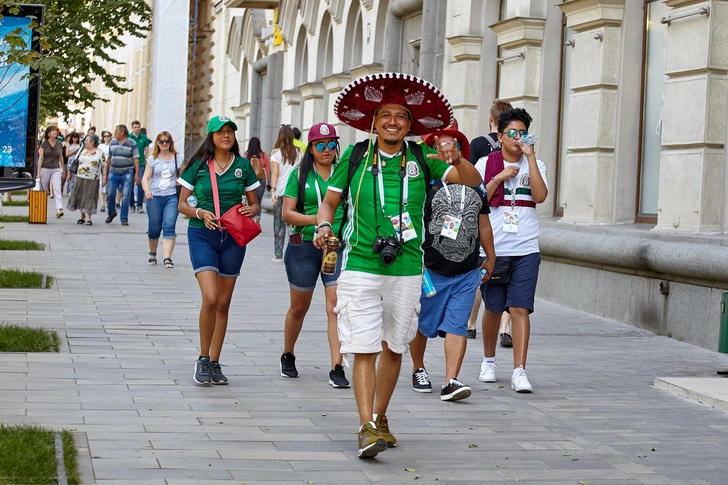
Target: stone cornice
{"x":519,"y":31}
{"x":591,"y":14}
{"x":312,"y":90}
{"x":336,"y":82}
{"x":292,"y":96}
{"x":683,"y":3}
{"x":466,"y":47}
{"x":366,"y":69}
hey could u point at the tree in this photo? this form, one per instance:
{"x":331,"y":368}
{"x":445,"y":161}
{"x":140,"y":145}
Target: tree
{"x":76,"y":38}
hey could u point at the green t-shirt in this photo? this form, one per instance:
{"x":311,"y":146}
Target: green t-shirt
{"x":142,"y":143}
{"x":232,"y":184}
{"x":361,"y":229}
{"x":311,"y":201}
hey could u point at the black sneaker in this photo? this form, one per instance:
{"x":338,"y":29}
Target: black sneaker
{"x":472,"y":333}
{"x":337,"y":379}
{"x":288,"y":365}
{"x":506,"y":340}
{"x":218,"y":378}
{"x":421,"y":381}
{"x":454,"y":391}
{"x":203,"y":372}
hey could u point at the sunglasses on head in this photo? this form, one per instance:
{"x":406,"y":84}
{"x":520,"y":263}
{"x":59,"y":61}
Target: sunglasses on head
{"x":512,"y":133}
{"x":452,"y":143}
{"x":320,"y":146}
{"x":164,"y":141}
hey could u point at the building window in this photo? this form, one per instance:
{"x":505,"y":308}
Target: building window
{"x":654,"y":80}
{"x":567,"y":50}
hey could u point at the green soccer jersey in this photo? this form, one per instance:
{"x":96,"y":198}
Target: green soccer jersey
{"x":361,"y":227}
{"x":311,"y":200}
{"x":238,"y":178}
{"x":142,"y":142}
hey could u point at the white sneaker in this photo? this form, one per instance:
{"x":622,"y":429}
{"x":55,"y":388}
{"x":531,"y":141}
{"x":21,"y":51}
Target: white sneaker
{"x":487,"y":372}
{"x":519,"y":381}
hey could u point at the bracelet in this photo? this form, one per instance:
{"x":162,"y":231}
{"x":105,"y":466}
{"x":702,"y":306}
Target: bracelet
{"x":324,"y":223}
{"x":197,"y":213}
{"x":494,"y":180}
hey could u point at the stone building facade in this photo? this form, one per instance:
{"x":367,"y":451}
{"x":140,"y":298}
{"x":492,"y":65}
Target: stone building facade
{"x":629,"y":102}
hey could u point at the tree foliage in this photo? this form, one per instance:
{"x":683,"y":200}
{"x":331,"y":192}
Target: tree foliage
{"x":77,"y":37}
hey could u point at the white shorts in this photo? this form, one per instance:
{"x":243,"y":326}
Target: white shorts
{"x":374,"y":308}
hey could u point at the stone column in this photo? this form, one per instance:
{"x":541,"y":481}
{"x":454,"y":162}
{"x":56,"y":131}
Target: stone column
{"x":312,"y":95}
{"x":432,"y":44}
{"x":520,"y":40}
{"x":291,"y":112}
{"x":595,"y":69}
{"x":463,"y":95}
{"x":692,"y":164}
{"x":333,"y":85}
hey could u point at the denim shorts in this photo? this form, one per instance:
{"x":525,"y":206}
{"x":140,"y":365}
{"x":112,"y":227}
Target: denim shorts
{"x":520,"y":292}
{"x":213,"y":250}
{"x":303,"y":266}
{"x":448,"y":310}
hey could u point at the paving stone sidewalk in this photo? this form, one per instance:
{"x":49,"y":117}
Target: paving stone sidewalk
{"x":124,"y":378}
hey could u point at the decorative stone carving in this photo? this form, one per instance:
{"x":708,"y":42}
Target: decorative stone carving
{"x":336,"y":9}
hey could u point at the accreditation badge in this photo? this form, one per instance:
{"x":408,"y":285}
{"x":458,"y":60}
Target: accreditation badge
{"x":451,"y":226}
{"x":404,"y":225}
{"x":510,"y":221}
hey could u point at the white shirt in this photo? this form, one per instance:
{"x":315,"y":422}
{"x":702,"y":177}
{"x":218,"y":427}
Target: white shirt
{"x":284,"y":170}
{"x":525,"y":241}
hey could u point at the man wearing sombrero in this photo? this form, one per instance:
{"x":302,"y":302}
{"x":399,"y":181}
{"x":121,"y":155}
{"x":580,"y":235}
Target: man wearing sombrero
{"x":385,"y":187}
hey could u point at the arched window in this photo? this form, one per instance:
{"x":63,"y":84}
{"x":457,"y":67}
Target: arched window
{"x":380,"y":30}
{"x":354,"y":37}
{"x":325,"y":61}
{"x":301,"y":71}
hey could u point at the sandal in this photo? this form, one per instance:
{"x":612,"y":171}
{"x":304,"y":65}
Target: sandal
{"x":152,"y":258}
{"x":168,"y":263}
{"x":59,"y":214}
{"x":81,"y":221}
{"x":89,"y":223}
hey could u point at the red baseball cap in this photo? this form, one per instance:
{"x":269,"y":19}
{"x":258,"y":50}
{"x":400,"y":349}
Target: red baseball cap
{"x":454,"y":132}
{"x":321,"y":130}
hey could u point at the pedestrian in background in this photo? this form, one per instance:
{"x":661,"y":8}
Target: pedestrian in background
{"x":284,"y":158}
{"x":160,"y":188}
{"x":261,"y":165}
{"x":104,"y":147}
{"x":50,"y":166}
{"x":122,"y":170}
{"x":306,"y":188}
{"x":73,"y":145}
{"x":85,"y":195}
{"x":216,"y":257}
{"x":142,"y":143}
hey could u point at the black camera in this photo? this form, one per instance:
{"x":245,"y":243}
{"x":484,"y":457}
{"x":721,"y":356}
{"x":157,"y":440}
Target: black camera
{"x":387,"y":248}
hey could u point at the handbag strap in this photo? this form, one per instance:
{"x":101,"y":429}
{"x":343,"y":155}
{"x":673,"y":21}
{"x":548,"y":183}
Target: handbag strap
{"x":176,"y":166}
{"x":213,"y":181}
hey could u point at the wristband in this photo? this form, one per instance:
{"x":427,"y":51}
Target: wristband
{"x":197,"y":213}
{"x":494,"y":180}
{"x":324,"y":223}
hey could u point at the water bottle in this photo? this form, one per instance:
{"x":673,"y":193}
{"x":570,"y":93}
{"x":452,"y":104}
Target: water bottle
{"x":529,"y":139}
{"x":192,"y":201}
{"x":427,"y":287}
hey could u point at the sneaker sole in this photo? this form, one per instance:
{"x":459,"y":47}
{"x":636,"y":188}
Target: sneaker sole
{"x":194,"y":377}
{"x":461,"y":393}
{"x":522,"y":391}
{"x":482,"y":379}
{"x":374,"y":449}
{"x":336,"y":386}
{"x":422,"y":390}
{"x":219,"y":383}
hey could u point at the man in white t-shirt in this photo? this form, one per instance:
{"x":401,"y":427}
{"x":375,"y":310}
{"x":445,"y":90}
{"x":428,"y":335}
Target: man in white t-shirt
{"x":516,"y":182}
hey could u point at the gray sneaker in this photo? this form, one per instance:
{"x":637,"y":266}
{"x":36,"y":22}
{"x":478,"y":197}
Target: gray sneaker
{"x":203,"y":372}
{"x":218,"y":378}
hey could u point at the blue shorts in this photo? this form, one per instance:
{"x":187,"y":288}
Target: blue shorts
{"x":520,"y":291}
{"x":213,"y":250}
{"x":303,"y":266}
{"x":449,"y":309}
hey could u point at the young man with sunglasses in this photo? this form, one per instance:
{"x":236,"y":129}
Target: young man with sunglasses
{"x":516,"y":182}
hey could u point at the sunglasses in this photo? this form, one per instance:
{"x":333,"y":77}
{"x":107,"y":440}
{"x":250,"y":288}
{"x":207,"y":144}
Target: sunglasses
{"x":320,"y":146}
{"x":451,"y":143}
{"x":512,"y":133}
{"x":164,"y":141}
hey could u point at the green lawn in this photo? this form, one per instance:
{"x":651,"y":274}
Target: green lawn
{"x":7,"y":218}
{"x":16,"y":203}
{"x":17,"y":338}
{"x":13,"y":278}
{"x":28,"y":456}
{"x":20,"y":245}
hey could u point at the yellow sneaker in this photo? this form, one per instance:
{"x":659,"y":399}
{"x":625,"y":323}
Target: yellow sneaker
{"x":383,"y":429}
{"x":370,"y":443}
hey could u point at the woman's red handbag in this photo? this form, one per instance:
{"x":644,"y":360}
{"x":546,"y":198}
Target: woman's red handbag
{"x":242,"y":228}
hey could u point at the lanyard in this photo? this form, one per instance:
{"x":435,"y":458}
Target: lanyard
{"x":318,"y":190}
{"x":462,"y":197}
{"x":514,"y":188}
{"x":380,"y":183}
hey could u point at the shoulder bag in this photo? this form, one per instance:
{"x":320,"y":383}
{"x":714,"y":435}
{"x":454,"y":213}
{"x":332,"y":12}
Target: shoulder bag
{"x":242,"y":228}
{"x":178,"y":187}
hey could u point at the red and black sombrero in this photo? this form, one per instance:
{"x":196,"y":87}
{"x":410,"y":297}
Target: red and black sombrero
{"x":454,"y":132}
{"x":358,"y":101}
